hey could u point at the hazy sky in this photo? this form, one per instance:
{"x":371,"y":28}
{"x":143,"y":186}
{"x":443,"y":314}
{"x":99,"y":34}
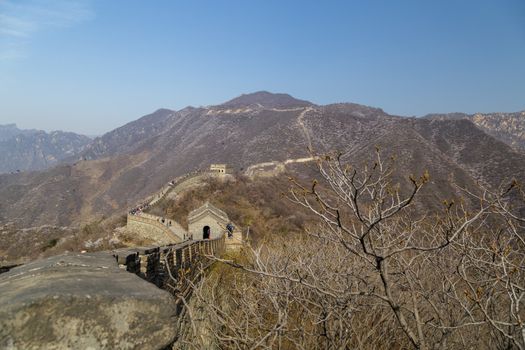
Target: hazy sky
{"x":92,"y":65}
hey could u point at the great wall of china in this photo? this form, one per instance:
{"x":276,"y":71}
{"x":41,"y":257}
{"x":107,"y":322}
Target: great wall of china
{"x":89,"y":295}
{"x":164,"y":230}
{"x":170,"y":267}
{"x":273,"y":168}
{"x":167,"y":231}
{"x":126,"y":298}
{"x":99,"y":290}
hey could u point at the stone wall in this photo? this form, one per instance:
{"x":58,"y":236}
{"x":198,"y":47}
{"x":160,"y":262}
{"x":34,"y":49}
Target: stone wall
{"x":196,"y":180}
{"x":273,"y":168}
{"x":234,"y":242}
{"x":176,"y":184}
{"x":150,"y":228}
{"x":171,"y":267}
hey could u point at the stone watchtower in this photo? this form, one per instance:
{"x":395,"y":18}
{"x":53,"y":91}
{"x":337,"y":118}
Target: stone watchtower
{"x":207,"y":222}
{"x":219,"y":168}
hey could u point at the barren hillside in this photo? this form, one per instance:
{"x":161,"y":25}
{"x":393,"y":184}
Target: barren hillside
{"x":135,"y":160}
{"x":506,"y":127}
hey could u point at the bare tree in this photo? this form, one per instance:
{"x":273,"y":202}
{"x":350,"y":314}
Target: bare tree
{"x":376,"y":272}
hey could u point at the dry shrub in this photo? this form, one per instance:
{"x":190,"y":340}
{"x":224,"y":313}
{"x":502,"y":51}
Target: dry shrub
{"x":373,"y":273}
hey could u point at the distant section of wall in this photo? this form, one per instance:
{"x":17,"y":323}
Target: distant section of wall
{"x":172,"y":185}
{"x":219,"y":168}
{"x":150,"y":228}
{"x":197,"y":180}
{"x":190,"y":182}
{"x":159,"y":195}
{"x":273,"y":168}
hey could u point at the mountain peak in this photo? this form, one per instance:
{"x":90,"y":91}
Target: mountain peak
{"x":266,"y":99}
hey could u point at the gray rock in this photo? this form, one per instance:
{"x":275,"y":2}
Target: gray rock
{"x":82,"y":301}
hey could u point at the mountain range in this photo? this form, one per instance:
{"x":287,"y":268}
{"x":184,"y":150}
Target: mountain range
{"x":506,"y":127}
{"x":115,"y":171}
{"x":23,"y":150}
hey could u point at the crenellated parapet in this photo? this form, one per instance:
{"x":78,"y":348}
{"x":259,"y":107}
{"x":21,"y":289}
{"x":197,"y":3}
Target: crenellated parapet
{"x":171,"y":267}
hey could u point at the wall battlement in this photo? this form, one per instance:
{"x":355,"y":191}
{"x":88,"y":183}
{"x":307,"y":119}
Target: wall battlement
{"x":171,"y":267}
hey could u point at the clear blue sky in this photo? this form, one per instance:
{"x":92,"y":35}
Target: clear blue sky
{"x":92,"y":65}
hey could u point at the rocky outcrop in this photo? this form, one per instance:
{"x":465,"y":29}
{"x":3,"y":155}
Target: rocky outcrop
{"x":82,"y":301}
{"x":506,"y":127}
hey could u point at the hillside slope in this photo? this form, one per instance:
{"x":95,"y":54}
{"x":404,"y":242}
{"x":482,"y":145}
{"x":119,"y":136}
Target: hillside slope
{"x":136,"y":160}
{"x":506,"y":127}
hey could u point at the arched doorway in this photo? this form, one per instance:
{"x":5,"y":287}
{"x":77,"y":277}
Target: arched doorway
{"x":206,"y":232}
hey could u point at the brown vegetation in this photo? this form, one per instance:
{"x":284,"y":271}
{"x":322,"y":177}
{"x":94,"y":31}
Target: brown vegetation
{"x":20,"y":245}
{"x":125,"y":166}
{"x":257,"y":204}
{"x":373,"y":273}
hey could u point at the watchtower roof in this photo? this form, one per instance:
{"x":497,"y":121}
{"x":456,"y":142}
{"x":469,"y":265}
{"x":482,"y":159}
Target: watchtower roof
{"x":207,"y":208}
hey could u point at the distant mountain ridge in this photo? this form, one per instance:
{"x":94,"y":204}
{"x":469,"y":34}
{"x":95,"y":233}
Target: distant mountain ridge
{"x":131,"y":162}
{"x":27,"y":150}
{"x":8,"y":131}
{"x":130,"y":136}
{"x":507,"y":127}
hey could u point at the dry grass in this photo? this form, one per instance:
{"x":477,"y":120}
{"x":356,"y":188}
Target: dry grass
{"x":257,"y":204}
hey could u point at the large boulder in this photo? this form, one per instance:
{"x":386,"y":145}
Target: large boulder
{"x":82,"y":301}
